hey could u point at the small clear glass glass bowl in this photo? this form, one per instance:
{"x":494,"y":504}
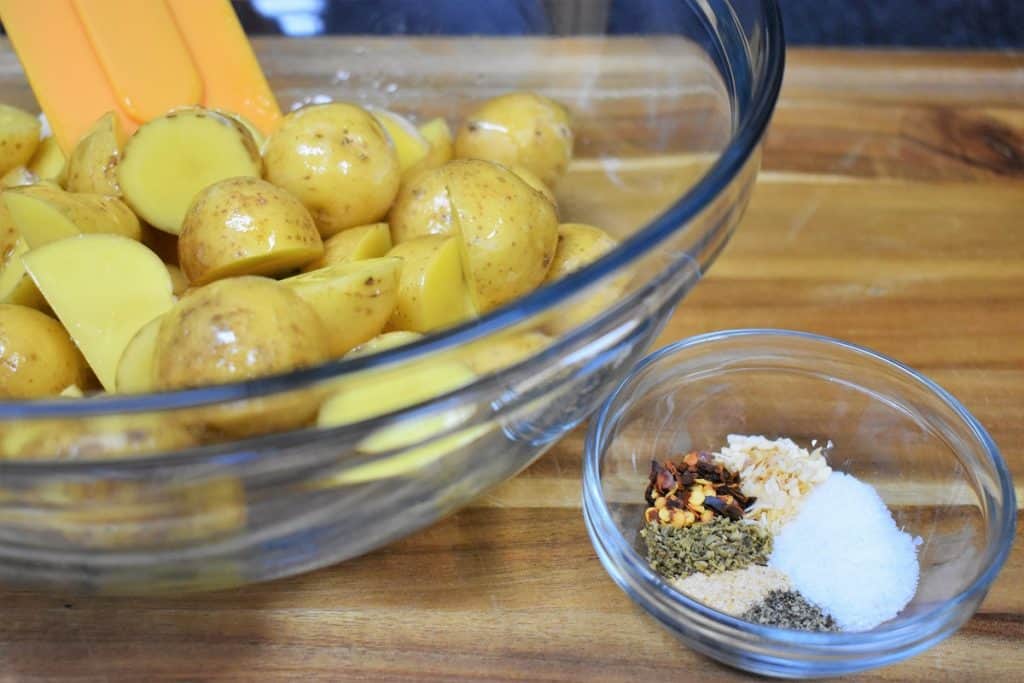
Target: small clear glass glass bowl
{"x":930,"y":460}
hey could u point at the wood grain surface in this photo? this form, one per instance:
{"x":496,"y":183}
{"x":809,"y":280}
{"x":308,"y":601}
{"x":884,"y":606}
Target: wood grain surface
{"x":890,"y":212}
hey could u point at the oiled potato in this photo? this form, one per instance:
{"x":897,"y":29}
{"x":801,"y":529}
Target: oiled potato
{"x":19,"y":176}
{"x":338,"y":160}
{"x":354,"y":300}
{"x":379,"y":393}
{"x":519,"y":128}
{"x":236,"y":329}
{"x":44,"y":214}
{"x":92,"y":166}
{"x":442,"y":147}
{"x":383,"y":342}
{"x":171,"y":158}
{"x":410,"y":145}
{"x":580,"y":245}
{"x":531,"y":179}
{"x":508,"y":231}
{"x":37,"y":357}
{"x":489,"y":355}
{"x":19,"y":137}
{"x":95,"y":438}
{"x":354,"y":244}
{"x":422,"y":207}
{"x":432,"y":291}
{"x":48,"y":163}
{"x":16,"y":287}
{"x":135,"y":368}
{"x":245,"y":226}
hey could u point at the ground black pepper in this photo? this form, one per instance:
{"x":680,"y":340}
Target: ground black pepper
{"x":789,"y":609}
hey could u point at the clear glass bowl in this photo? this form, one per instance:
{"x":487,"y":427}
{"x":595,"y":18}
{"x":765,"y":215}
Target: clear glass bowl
{"x":930,"y":460}
{"x":668,"y":138}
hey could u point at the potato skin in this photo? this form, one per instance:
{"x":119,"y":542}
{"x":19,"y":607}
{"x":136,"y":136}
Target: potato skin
{"x":521,"y":128}
{"x":245,"y":226}
{"x":37,"y":356}
{"x":508,"y":231}
{"x":236,"y":329}
{"x":580,"y":245}
{"x":339,"y":162}
{"x":422,"y":207}
{"x":19,"y":137}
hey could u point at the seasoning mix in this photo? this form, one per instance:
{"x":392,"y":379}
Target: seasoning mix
{"x":766,"y":531}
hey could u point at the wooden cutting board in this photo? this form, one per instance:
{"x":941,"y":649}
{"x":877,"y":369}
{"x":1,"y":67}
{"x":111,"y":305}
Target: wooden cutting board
{"x":890,"y":212}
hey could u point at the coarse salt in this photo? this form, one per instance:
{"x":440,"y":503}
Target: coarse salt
{"x":778,"y":472}
{"x":844,"y":552}
{"x":735,"y":591}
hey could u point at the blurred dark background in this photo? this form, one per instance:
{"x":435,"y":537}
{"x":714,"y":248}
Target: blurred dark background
{"x":982,"y":24}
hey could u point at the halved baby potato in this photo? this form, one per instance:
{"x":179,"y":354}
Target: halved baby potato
{"x":92,"y":166}
{"x":432,"y":291}
{"x":44,"y":214}
{"x":37,"y":357}
{"x":410,"y":145}
{"x":170,"y":159}
{"x":19,"y":137}
{"x":354,"y":300}
{"x":354,"y":244}
{"x":245,"y":226}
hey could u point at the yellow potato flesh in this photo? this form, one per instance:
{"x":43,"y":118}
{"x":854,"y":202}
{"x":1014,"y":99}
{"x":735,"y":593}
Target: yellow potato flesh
{"x":135,"y":368}
{"x":422,"y":207}
{"x":354,"y":300}
{"x":380,"y":393}
{"x":45,"y":214}
{"x":519,"y":128}
{"x":48,"y":162}
{"x":355,"y":244}
{"x":92,"y":166}
{"x":508,"y":231}
{"x":338,"y":160}
{"x":439,"y":135}
{"x":103,"y":288}
{"x":432,"y":291}
{"x":410,"y":145}
{"x":37,"y":357}
{"x":489,"y":355}
{"x":383,"y":342}
{"x":19,"y":137}
{"x":245,"y":226}
{"x":170,"y":159}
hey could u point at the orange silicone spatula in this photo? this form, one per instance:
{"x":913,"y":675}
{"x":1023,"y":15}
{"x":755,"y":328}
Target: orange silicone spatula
{"x":137,"y":58}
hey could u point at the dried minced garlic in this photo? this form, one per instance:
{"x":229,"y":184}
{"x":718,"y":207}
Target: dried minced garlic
{"x":778,"y":473}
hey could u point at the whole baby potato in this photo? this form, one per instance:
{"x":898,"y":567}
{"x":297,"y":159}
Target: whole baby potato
{"x":520,"y":128}
{"x":245,"y":226}
{"x":339,"y":162}
{"x":508,"y":231}
{"x":37,"y":357}
{"x":422,"y":207}
{"x":236,"y":329}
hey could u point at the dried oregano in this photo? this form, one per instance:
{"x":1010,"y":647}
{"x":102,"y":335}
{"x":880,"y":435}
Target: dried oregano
{"x":710,"y":547}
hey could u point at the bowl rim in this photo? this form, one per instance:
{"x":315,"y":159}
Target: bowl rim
{"x":905,"y":634}
{"x":748,"y":132}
